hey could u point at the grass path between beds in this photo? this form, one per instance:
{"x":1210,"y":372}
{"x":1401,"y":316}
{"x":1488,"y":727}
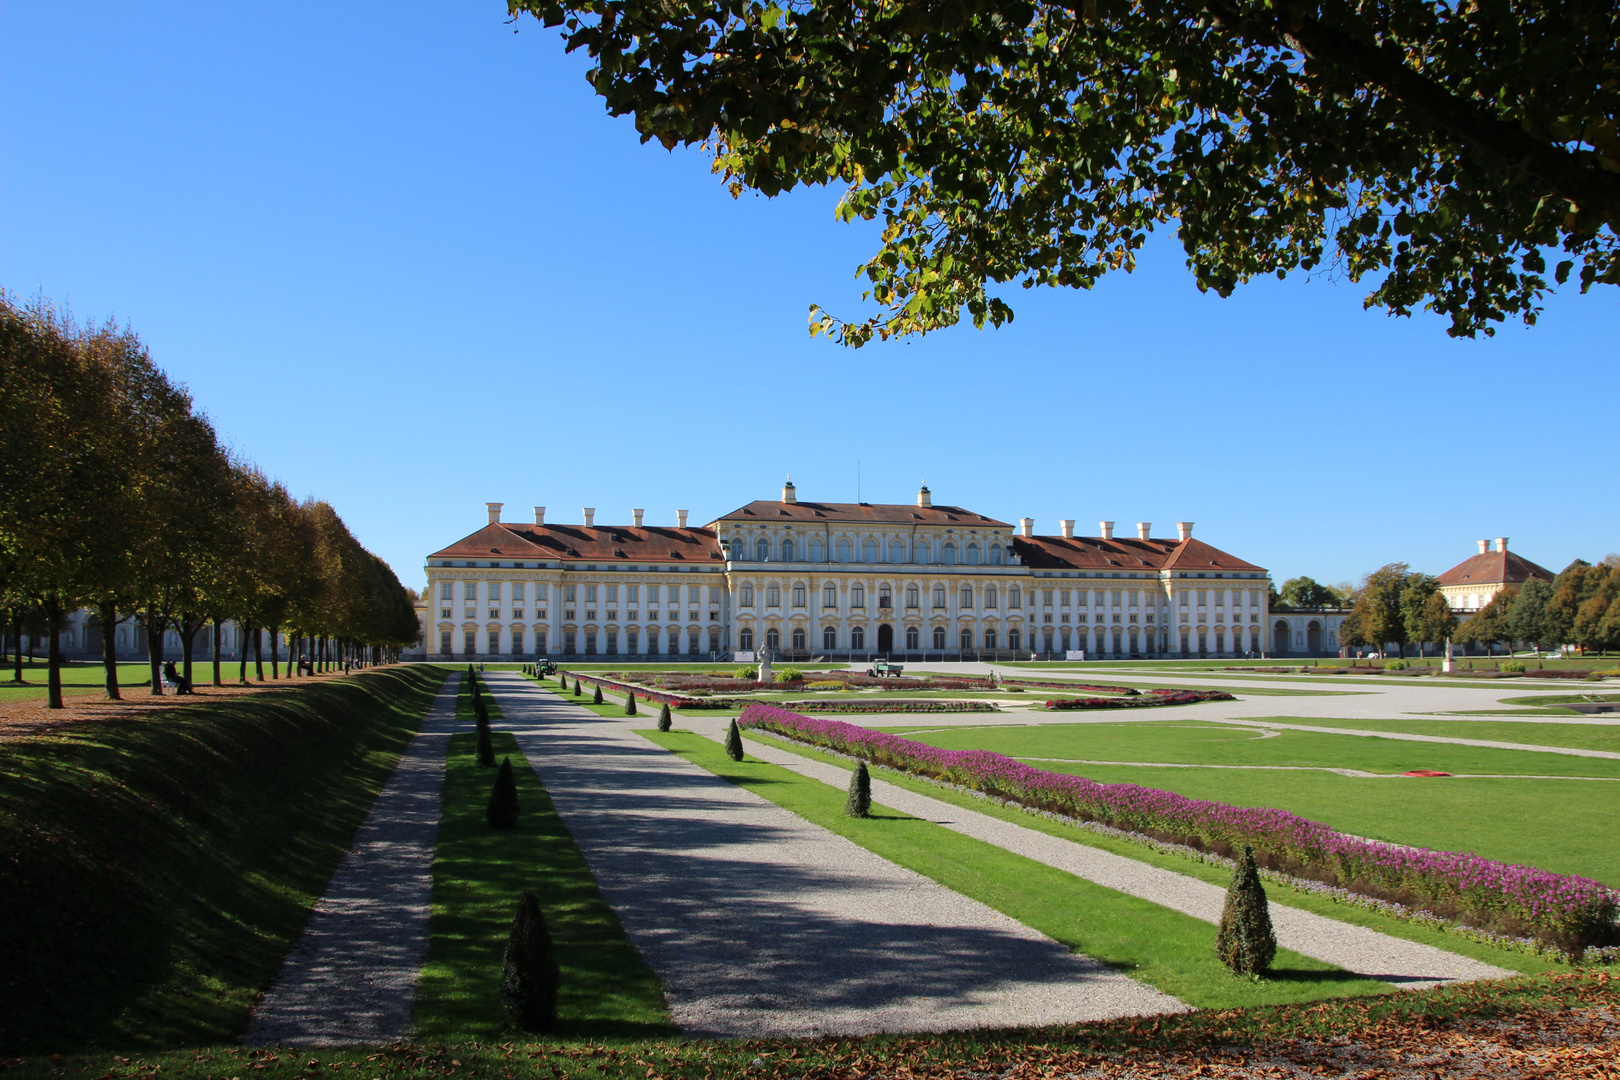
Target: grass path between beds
{"x":608,"y":994}
{"x":1161,"y":947}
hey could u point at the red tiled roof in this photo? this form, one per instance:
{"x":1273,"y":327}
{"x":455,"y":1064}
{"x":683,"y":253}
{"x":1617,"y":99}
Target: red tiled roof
{"x":568,"y":543}
{"x":764,"y":510}
{"x":1120,"y":553}
{"x":1495,"y":568}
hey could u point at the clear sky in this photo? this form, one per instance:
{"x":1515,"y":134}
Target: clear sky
{"x":408,"y":264}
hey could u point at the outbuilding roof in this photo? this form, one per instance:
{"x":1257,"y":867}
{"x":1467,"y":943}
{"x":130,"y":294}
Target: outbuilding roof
{"x":765,"y":510}
{"x":1121,"y":554}
{"x":1495,"y":568}
{"x":568,"y":543}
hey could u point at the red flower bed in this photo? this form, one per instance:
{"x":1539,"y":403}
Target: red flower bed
{"x":1556,"y":673}
{"x":1064,"y":684}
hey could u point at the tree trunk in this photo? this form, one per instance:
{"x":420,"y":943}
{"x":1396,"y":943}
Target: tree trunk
{"x":258,"y":654}
{"x":108,"y":614}
{"x":154,"y":655}
{"x":188,"y":636}
{"x":322,"y":662}
{"x":17,"y":671}
{"x":216,"y":651}
{"x":275,"y":659}
{"x":53,"y":677}
{"x":241,"y":654}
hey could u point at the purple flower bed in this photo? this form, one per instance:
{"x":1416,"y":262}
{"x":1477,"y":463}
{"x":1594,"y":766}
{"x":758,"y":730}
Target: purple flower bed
{"x":890,"y":705}
{"x":1141,"y":701}
{"x":1568,"y":913}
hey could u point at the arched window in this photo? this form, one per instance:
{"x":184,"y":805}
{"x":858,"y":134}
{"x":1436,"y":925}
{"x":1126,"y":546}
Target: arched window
{"x":989,"y":602}
{"x":869,"y":550}
{"x":885,"y":596}
{"x":857,"y":638}
{"x":1014,"y":640}
{"x":773,"y":638}
{"x":818,"y":551}
{"x":787,"y":549}
{"x":739,"y":547}
{"x":762,"y":550}
{"x":911,"y":597}
{"x":989,"y":639}
{"x":921,"y":553}
{"x":948,"y":555}
{"x":967,"y":639}
{"x":995,"y":559}
{"x":674,"y":640}
{"x":745,"y":595}
{"x":843,"y":550}
{"x":973,"y":554}
{"x":897,"y":551}
{"x":829,"y":637}
{"x":939,"y":637}
{"x":798,"y":637}
{"x":939,"y":597}
{"x":745,"y":640}
{"x":912,"y":638}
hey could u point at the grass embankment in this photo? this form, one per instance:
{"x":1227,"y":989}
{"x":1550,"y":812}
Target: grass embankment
{"x":1502,"y":812}
{"x":1161,"y":947}
{"x":478,"y":874}
{"x":1306,"y":901}
{"x":156,"y":872}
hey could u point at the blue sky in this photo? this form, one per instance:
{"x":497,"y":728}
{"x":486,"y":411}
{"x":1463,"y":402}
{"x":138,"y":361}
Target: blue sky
{"x":408,"y":264}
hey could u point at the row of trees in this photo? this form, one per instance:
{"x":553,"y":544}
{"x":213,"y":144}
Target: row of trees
{"x":1580,"y":607}
{"x":1396,"y":606}
{"x":116,"y":495}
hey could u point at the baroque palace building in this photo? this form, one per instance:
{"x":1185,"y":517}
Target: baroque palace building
{"x":835,"y":580}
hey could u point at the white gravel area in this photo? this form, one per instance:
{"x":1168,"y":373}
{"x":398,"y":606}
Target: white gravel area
{"x":761,"y":924}
{"x":1353,"y":948}
{"x":352,"y":976}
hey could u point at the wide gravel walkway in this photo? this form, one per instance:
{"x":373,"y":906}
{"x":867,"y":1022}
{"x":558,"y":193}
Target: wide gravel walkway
{"x":352,"y":976}
{"x":1353,"y":948}
{"x":761,"y":924}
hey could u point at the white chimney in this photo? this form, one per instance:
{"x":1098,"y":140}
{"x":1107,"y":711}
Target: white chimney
{"x":1144,"y":529}
{"x":790,"y":494}
{"x":1067,"y":526}
{"x":1184,"y":531}
{"x":539,"y":515}
{"x":637,"y":515}
{"x":1026,"y":526}
{"x":1484,"y":546}
{"x":590,"y":517}
{"x":494,"y":512}
{"x":1501,"y":543}
{"x":680,"y":519}
{"x":1106,"y":528}
{"x":924,"y":496}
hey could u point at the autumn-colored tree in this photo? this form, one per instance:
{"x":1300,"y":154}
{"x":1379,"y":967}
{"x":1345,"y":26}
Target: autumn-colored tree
{"x":1378,"y":616}
{"x":1489,"y":624}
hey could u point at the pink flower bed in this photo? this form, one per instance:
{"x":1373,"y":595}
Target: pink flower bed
{"x":657,"y":697}
{"x":1569,"y":913}
{"x":1141,"y":701}
{"x":889,"y":705}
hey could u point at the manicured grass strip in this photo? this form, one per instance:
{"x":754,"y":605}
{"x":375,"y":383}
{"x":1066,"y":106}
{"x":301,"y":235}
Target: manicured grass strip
{"x":1550,"y":733}
{"x":1161,"y":947}
{"x":478,"y":874}
{"x":1305,"y":901}
{"x":154,"y":872}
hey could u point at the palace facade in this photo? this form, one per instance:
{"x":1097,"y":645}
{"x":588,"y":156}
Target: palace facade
{"x":837,"y":580}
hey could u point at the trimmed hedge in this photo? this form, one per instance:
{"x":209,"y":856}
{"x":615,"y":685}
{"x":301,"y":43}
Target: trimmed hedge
{"x":1569,"y":913}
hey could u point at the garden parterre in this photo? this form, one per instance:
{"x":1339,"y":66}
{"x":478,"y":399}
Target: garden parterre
{"x":1566,"y":912}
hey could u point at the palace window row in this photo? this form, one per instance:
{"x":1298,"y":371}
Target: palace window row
{"x":871,"y":550}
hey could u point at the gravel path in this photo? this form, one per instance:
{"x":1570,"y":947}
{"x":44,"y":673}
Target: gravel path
{"x":761,"y":924}
{"x":352,"y":976}
{"x":1353,"y":948}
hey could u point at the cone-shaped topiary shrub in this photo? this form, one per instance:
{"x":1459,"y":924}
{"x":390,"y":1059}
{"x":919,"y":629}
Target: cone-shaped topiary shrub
{"x":486,"y":749}
{"x":576,"y":688}
{"x":1245,"y":942}
{"x":663,"y":717}
{"x":734,"y":742}
{"x":502,"y":812}
{"x":530,"y":978}
{"x":596,"y":695}
{"x":630,"y":703}
{"x":859,"y":803}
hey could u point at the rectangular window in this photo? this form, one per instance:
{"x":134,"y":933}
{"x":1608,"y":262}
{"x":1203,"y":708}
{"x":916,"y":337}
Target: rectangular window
{"x":540,"y":641}
{"x":569,"y":593}
{"x":1048,"y":597}
{"x":471,"y":642}
{"x":569,"y":642}
{"x":632,"y":595}
{"x":590,"y":594}
{"x":540,"y":613}
{"x":745,"y":596}
{"x":612,"y":640}
{"x":613,"y":594}
{"x":494,"y":593}
{"x":1220,"y":598}
{"x":517,"y":593}
{"x":1136,"y":598}
{"x":1203,"y":598}
{"x":1015,"y":599}
{"x":798,"y":596}
{"x":444,"y":641}
{"x":1119,"y":598}
{"x":714,"y":594}
{"x":517,"y":613}
{"x":445,"y":591}
{"x":967,"y":597}
{"x":494,"y":612}
{"x":694,"y":643}
{"x":857,"y":596}
{"x":469,"y":592}
{"x":444,"y":613}
{"x":989,"y":600}
{"x":540,"y":593}
{"x":517,"y":639}
{"x":590,"y":643}
{"x":1254,"y":598}
{"x":1063,"y":598}
{"x":773,"y":595}
{"x":632,"y":640}
{"x":829,"y":596}
{"x":1183,"y":599}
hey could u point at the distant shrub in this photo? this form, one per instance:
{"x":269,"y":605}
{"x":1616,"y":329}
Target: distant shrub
{"x":576,"y":688}
{"x":502,"y":812}
{"x":1245,"y":942}
{"x":596,"y":696}
{"x":859,"y":803}
{"x":663,"y":717}
{"x":1511,"y":665}
{"x":1395,"y":665}
{"x":734,"y":746}
{"x":747,"y":672}
{"x":530,"y":978}
{"x":789,"y":674}
{"x":630,"y":703}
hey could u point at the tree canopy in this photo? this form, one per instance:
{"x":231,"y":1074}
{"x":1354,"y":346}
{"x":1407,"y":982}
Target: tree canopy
{"x":1439,"y":150}
{"x":1307,"y":592}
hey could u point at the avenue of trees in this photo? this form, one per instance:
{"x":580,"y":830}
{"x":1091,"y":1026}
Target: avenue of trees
{"x":116,"y":496}
{"x":1462,"y":158}
{"x":1580,"y":607}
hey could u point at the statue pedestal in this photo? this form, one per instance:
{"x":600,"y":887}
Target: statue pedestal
{"x":765,"y":672}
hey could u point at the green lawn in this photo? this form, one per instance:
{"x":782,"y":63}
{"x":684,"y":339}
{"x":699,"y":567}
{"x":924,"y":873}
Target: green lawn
{"x":156,"y":873}
{"x":1558,"y":825}
{"x":1164,"y":948}
{"x":1541,"y":733}
{"x":478,"y":874}
{"x":80,"y":678}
